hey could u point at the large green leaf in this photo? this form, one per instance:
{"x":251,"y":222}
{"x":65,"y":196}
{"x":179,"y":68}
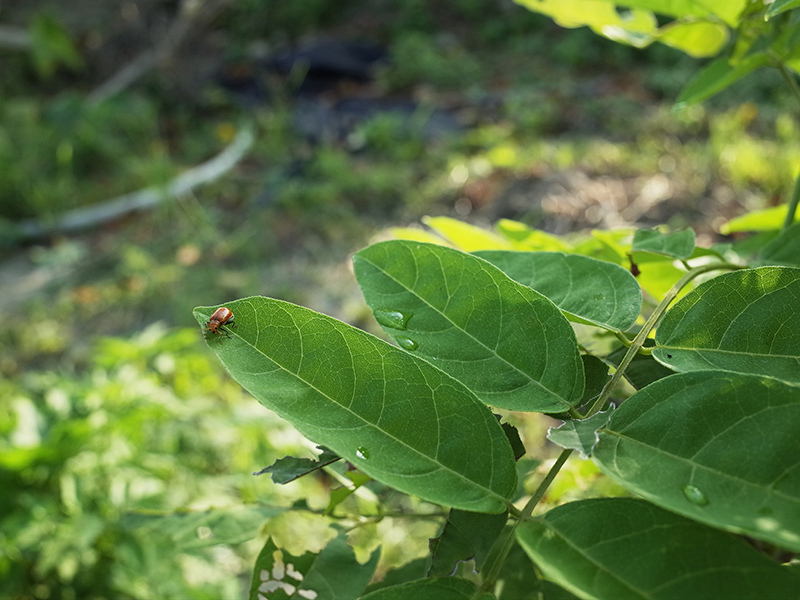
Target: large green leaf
{"x":585,"y":289}
{"x":508,"y":343}
{"x":745,"y":321}
{"x":721,"y":448}
{"x":440,"y":588}
{"x":393,"y":415}
{"x":466,"y":536}
{"x":622,"y":548}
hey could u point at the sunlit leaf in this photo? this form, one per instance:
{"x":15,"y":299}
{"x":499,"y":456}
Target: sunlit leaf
{"x":677,"y":244}
{"x":416,"y":235}
{"x":717,"y":447}
{"x":627,"y":548}
{"x":523,"y":237}
{"x":505,"y":341}
{"x":393,"y":415}
{"x":697,"y":38}
{"x":464,"y":236}
{"x":586,"y":290}
{"x":766,"y":219}
{"x":743,"y":321}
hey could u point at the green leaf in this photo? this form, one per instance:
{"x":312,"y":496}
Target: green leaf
{"x":767,"y":219}
{"x":585,"y":289}
{"x":716,"y":77}
{"x":441,"y":588}
{"x":393,"y":415}
{"x":191,"y":530}
{"x":740,"y":321}
{"x":579,"y":434}
{"x":784,"y":249}
{"x":509,"y":344}
{"x":699,"y":39}
{"x":333,"y":573}
{"x":289,"y":468}
{"x":518,"y":581}
{"x":678,"y":244}
{"x":465,"y":236}
{"x":718,"y":447}
{"x":597,"y":377}
{"x":466,"y":536}
{"x":523,"y":237}
{"x":780,"y":6}
{"x":627,"y":548}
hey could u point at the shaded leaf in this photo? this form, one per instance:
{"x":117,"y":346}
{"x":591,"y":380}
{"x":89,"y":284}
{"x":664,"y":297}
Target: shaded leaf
{"x":466,"y":536}
{"x":393,"y":415}
{"x":412,"y":570}
{"x":508,"y":343}
{"x":677,"y":244}
{"x":627,"y":548}
{"x":642,"y":370}
{"x":597,"y":376}
{"x":784,"y":249}
{"x":512,"y":433}
{"x":579,"y":434}
{"x":440,"y":588}
{"x":289,"y":468}
{"x":780,"y":6}
{"x":585,"y":289}
{"x":717,"y":447}
{"x":740,"y":321}
{"x":716,"y":77}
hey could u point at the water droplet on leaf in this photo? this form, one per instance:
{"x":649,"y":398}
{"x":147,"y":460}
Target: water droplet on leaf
{"x":406,"y":343}
{"x":694,"y":495}
{"x":391,"y":318}
{"x":362,"y":452}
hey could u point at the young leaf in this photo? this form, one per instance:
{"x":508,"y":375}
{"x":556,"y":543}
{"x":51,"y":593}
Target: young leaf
{"x":393,"y":415}
{"x":465,"y":236}
{"x":766,"y":219}
{"x":627,"y":548}
{"x":585,"y":289}
{"x":579,"y":434}
{"x":465,"y":536}
{"x":441,"y":588}
{"x":509,"y":344}
{"x":333,"y":573}
{"x":678,"y":244}
{"x":740,"y":321}
{"x":718,"y":447}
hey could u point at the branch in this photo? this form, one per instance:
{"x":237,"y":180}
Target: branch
{"x":82,"y":218}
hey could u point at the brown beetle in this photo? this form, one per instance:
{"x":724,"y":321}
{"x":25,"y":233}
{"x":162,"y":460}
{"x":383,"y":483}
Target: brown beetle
{"x":222,"y":317}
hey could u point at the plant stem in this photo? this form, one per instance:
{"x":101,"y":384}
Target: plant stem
{"x":494,"y":569}
{"x":644,"y":332}
{"x":791,"y":209}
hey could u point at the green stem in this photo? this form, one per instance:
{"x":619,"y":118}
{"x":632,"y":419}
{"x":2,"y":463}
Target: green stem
{"x":786,"y":74}
{"x":508,"y":542}
{"x":791,"y":209}
{"x":644,"y":332}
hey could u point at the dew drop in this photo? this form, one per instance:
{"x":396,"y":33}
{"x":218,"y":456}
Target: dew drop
{"x":362,"y":453}
{"x":694,"y":495}
{"x":392,"y":318}
{"x":406,"y":343}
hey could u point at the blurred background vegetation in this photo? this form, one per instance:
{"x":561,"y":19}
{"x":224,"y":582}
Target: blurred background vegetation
{"x":126,"y":452}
